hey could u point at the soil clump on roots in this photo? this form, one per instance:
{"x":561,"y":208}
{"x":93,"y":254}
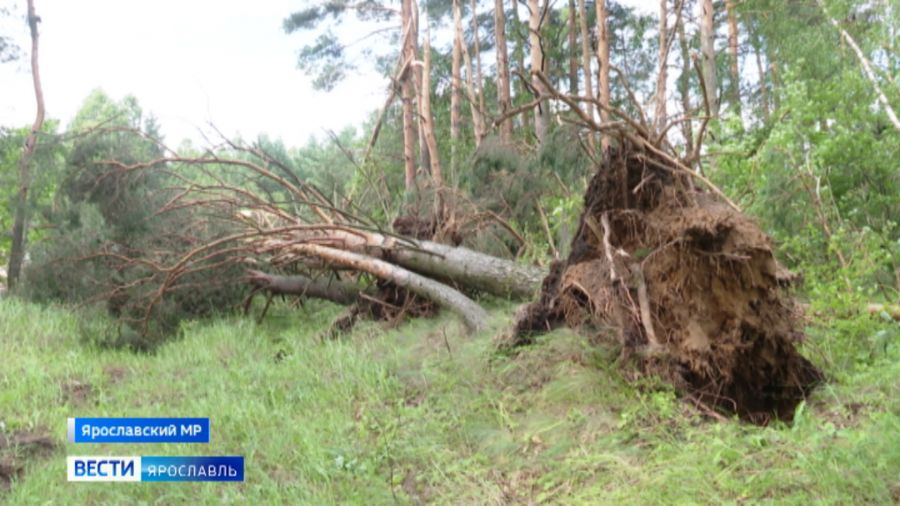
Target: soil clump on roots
{"x":688,"y":285}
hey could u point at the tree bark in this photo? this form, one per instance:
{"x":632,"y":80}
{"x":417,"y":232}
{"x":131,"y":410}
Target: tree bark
{"x":542,"y":115}
{"x":586,"y":65}
{"x":458,"y":265}
{"x":407,"y":92}
{"x":455,"y":85}
{"x":663,"y":65}
{"x":708,"y":56}
{"x":20,"y":223}
{"x":734,"y":62}
{"x":603,"y":60}
{"x":506,"y":126}
{"x":474,"y":317}
{"x":437,"y":173}
{"x":333,"y":290}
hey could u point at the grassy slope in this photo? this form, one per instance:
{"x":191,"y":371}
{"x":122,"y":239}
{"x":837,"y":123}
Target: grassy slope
{"x":420,"y":413}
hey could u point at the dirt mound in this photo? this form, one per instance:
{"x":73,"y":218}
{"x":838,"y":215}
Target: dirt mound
{"x":688,"y":285}
{"x":16,"y":449}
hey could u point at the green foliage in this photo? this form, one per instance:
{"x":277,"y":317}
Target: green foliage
{"x":103,"y":218}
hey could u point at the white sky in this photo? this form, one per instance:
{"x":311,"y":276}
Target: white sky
{"x":188,"y":62}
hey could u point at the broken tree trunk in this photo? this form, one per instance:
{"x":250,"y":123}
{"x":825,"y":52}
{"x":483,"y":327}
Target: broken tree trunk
{"x":474,"y":317}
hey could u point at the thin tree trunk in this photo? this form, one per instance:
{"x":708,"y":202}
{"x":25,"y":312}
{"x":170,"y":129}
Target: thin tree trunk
{"x":761,"y":70}
{"x":455,"y":84}
{"x":541,"y":117}
{"x":474,"y":317}
{"x":520,"y":61}
{"x":684,"y":83}
{"x":20,"y":224}
{"x":437,"y":173}
{"x":479,"y":76}
{"x":867,"y":68}
{"x":340,"y":292}
{"x":409,"y":134}
{"x":586,"y":64}
{"x":708,"y":56}
{"x":477,"y":118}
{"x":506,"y":126}
{"x":663,"y":64}
{"x":603,"y":59}
{"x":734,"y":63}
{"x":573,"y":48}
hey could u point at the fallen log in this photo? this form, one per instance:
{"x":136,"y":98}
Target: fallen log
{"x":474,"y":316}
{"x":333,"y":290}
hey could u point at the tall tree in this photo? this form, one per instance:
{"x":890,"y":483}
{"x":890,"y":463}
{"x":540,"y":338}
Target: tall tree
{"x":455,"y":85}
{"x":538,"y":64}
{"x":20,"y":225}
{"x":684,"y":85}
{"x":506,"y":126}
{"x":663,"y":65}
{"x":603,"y":70}
{"x":586,"y":64}
{"x":708,"y":56}
{"x":734,"y":62}
{"x":408,"y":55}
{"x":573,"y":49}
{"x":434,"y":158}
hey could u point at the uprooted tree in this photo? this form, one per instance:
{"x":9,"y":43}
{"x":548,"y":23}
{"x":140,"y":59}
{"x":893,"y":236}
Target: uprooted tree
{"x":662,"y":262}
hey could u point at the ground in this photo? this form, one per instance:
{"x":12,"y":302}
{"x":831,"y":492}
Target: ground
{"x":422,"y":414}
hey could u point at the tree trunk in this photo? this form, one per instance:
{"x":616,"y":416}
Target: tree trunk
{"x":603,"y":60}
{"x":455,"y":84}
{"x":458,"y":265}
{"x":520,"y":61}
{"x":409,"y":134}
{"x":586,"y":65}
{"x":663,"y":64}
{"x":474,"y":317}
{"x":708,"y":57}
{"x":506,"y":126}
{"x":573,"y":48}
{"x":477,"y":118}
{"x":479,"y":76}
{"x":761,"y":71}
{"x":684,"y":84}
{"x":734,"y":63}
{"x":541,"y":117}
{"x":333,"y":290}
{"x":20,"y":224}
{"x":437,"y":173}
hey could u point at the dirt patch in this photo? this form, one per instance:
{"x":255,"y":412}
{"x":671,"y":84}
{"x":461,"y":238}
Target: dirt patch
{"x":77,"y":393}
{"x":19,"y":447}
{"x":686,"y":284}
{"x":114,"y":374}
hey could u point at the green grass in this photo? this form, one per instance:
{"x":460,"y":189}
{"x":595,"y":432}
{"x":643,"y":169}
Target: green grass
{"x":421,"y":413}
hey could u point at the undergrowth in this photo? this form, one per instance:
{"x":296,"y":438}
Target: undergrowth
{"x":420,"y":413}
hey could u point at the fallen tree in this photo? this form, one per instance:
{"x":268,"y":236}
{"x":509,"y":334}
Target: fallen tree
{"x":275,"y":223}
{"x":685,"y":283}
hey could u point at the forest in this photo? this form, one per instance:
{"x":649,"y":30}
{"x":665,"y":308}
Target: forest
{"x":584,"y":252}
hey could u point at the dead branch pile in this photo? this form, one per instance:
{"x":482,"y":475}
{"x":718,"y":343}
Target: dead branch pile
{"x":685,"y":283}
